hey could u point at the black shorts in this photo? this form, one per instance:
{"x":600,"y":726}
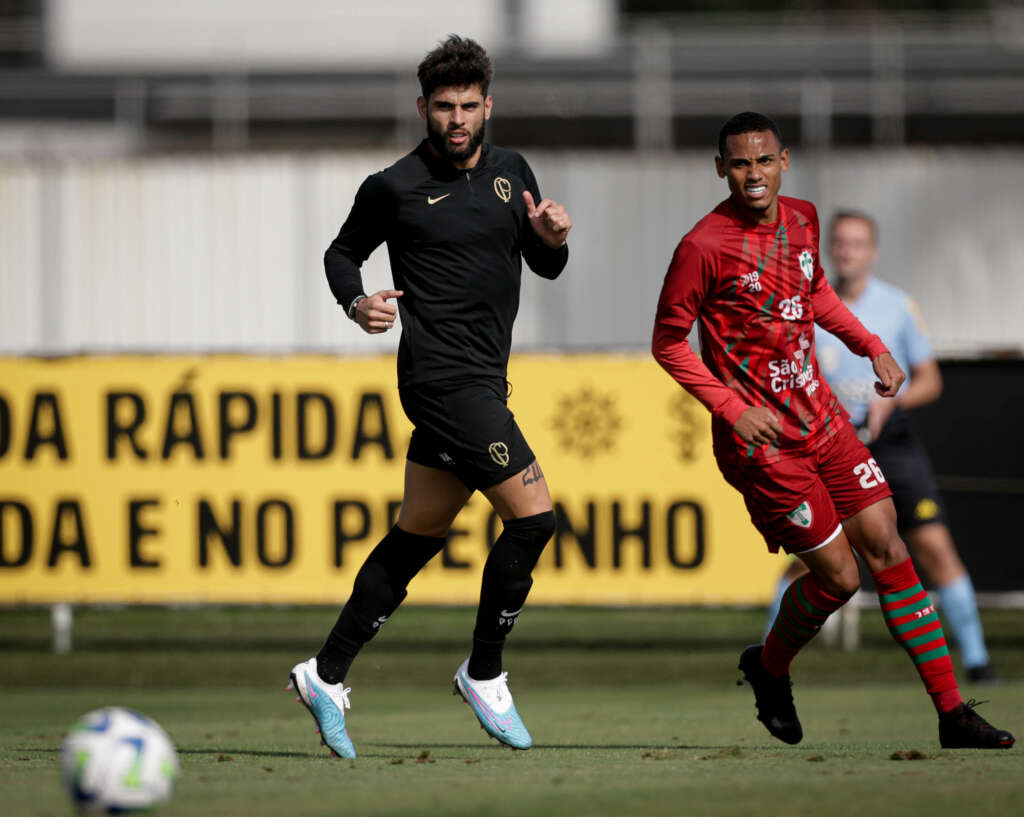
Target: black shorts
{"x":466,"y":428}
{"x":903,"y":460}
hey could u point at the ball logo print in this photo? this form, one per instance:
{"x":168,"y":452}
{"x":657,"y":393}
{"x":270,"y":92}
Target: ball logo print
{"x":503,"y":189}
{"x":499,"y":453}
{"x":115,"y":760}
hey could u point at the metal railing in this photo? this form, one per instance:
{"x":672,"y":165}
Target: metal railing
{"x":657,"y":75}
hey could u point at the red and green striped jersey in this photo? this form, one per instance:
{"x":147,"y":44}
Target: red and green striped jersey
{"x":755,"y":292}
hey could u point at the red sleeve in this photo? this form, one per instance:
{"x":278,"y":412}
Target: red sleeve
{"x":829,"y":311}
{"x":689,"y":277}
{"x":832,"y":314}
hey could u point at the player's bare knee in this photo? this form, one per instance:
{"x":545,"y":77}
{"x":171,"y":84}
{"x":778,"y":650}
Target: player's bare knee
{"x":844,"y":584}
{"x":891,"y":546}
{"x":876,"y":539}
{"x":896,"y":551}
{"x":840,"y":581}
{"x":885,"y":550}
{"x":847,"y":584}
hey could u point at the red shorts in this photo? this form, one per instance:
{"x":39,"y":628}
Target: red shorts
{"x":798,"y":504}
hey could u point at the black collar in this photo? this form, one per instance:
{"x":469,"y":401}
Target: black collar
{"x":441,"y":167}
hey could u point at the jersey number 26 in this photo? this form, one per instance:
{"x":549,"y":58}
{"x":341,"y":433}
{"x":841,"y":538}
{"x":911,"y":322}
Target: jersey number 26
{"x":869,"y":472}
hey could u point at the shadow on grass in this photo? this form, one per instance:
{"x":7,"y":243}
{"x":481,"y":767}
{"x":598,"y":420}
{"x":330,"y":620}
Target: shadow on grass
{"x":468,"y":747}
{"x":225,"y":751}
{"x":187,"y":751}
{"x":217,"y":644}
{"x":722,"y":751}
{"x":546,"y":746}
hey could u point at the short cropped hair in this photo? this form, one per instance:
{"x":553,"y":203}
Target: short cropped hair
{"x":860,"y":215}
{"x":455,"y":63}
{"x":746,"y":122}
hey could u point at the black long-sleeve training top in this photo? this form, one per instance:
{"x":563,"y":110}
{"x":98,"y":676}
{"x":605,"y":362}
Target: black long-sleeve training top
{"x":456,"y":240}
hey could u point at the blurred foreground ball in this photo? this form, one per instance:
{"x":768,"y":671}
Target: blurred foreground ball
{"x":115,"y":760}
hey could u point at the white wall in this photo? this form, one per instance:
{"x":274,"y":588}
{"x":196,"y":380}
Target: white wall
{"x":196,"y":254}
{"x":204,"y":35}
{"x":22,"y":268}
{"x":948,"y":224}
{"x":304,"y":34}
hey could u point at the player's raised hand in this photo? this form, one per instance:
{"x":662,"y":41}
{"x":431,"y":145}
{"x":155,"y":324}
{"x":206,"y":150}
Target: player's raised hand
{"x":549,"y":220}
{"x":758,"y":425}
{"x":374,"y":314}
{"x":890,"y":375}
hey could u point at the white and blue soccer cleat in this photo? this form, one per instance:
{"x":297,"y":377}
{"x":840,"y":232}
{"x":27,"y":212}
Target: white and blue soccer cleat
{"x":326,"y":703}
{"x":492,"y":704}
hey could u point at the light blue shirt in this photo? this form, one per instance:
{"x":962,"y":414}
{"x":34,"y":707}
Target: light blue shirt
{"x":892,"y":315}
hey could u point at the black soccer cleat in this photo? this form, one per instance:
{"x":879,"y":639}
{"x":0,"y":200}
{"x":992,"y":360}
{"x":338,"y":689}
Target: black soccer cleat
{"x":773,"y":696}
{"x":963,"y":728}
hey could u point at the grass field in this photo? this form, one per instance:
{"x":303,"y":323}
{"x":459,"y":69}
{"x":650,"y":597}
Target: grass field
{"x":632,"y":712}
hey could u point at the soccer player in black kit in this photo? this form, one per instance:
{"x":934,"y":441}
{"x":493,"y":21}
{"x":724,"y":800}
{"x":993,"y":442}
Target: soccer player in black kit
{"x":458,"y":217}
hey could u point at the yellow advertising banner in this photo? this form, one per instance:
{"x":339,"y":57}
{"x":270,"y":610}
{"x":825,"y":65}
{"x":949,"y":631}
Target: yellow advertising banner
{"x":268,"y":480}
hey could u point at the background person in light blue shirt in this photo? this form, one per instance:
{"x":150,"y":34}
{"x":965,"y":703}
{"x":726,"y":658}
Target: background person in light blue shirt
{"x":883,"y":425}
{"x":894,"y":317}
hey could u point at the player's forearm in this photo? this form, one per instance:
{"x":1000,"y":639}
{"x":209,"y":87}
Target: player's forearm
{"x":832,"y":314}
{"x":364,"y":230}
{"x":545,"y":261}
{"x":343,"y":276}
{"x":675,"y":355}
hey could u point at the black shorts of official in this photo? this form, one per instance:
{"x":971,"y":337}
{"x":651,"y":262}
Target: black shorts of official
{"x":902,"y":458}
{"x":466,"y":428}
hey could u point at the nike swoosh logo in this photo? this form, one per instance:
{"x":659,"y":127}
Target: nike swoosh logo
{"x":431,"y":200}
{"x":501,"y":723}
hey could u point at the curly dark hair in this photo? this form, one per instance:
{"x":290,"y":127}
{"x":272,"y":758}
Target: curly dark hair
{"x":746,"y":122}
{"x":457,"y":62}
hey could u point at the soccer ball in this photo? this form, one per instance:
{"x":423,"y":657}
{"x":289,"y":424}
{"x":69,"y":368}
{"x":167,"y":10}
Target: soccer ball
{"x":114,"y":760}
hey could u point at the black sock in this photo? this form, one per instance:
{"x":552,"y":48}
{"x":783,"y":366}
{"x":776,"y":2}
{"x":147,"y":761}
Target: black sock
{"x":485,"y":660}
{"x":504,"y":587}
{"x":378,"y":590}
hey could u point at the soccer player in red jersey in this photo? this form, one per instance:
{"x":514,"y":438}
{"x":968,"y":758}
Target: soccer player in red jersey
{"x":749,"y":275}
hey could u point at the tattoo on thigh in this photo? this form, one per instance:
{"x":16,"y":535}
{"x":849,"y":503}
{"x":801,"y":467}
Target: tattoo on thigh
{"x":533,"y":474}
